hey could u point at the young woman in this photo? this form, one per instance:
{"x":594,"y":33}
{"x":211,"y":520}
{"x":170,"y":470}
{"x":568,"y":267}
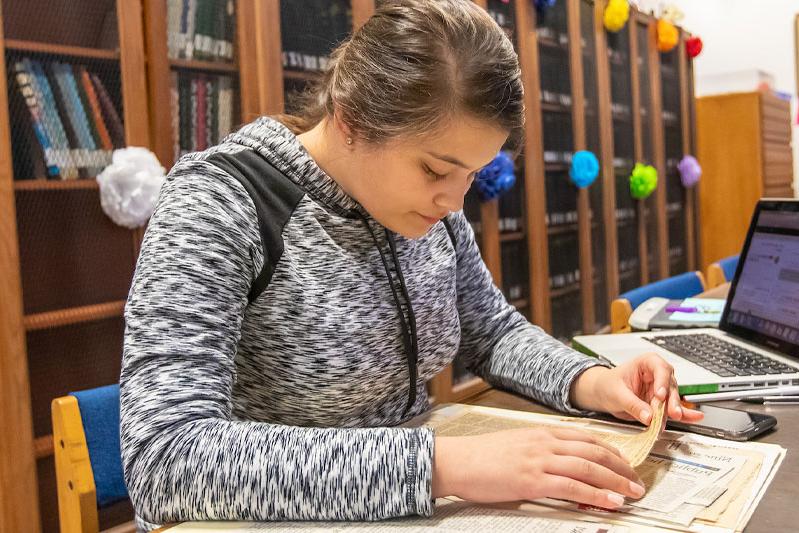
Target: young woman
{"x":301,"y":282}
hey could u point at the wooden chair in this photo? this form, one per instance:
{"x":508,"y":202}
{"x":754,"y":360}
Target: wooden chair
{"x":87,"y":458}
{"x":721,"y":271}
{"x":675,"y":287}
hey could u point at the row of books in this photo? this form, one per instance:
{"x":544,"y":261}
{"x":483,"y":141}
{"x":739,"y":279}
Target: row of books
{"x":201,"y":29}
{"x":65,"y":122}
{"x":316,"y":36}
{"x":515,"y":273}
{"x":564,"y":260}
{"x":203,"y":107}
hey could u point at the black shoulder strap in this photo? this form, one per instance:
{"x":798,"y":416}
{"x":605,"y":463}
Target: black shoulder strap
{"x":451,"y":232}
{"x":275,"y":198}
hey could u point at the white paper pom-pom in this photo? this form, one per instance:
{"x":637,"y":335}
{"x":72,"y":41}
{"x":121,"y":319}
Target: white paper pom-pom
{"x":129,"y":186}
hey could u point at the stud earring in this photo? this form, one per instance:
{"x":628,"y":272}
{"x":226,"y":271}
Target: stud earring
{"x":349,"y":141}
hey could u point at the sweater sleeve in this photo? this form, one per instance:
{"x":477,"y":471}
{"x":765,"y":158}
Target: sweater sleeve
{"x":499,"y":344}
{"x":184,"y":455}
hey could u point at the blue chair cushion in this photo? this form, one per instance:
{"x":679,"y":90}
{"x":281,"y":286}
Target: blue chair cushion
{"x":99,"y":412}
{"x":728,"y":265}
{"x":674,"y":288}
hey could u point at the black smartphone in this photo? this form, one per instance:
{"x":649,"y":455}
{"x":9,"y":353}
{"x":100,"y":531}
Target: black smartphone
{"x":732,"y":424}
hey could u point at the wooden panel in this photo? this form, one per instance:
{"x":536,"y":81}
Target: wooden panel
{"x":638,"y":143}
{"x":270,"y":64}
{"x":489,"y":220}
{"x":690,"y":197}
{"x":606,"y":153}
{"x":728,"y":145}
{"x":535,"y":192}
{"x":134,"y":73}
{"x":658,"y":143}
{"x":19,"y":509}
{"x":250,"y":65}
{"x":161,"y":133}
{"x":579,"y":140}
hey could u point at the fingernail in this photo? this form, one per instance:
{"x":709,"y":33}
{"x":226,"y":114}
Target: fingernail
{"x":662,"y":392}
{"x":645,"y":414}
{"x":616,"y":499}
{"x":636,"y":489}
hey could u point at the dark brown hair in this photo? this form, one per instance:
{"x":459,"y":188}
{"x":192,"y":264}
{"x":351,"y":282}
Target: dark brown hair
{"x":413,"y":66}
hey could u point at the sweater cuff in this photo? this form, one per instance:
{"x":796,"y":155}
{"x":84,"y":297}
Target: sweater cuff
{"x":419,"y":474}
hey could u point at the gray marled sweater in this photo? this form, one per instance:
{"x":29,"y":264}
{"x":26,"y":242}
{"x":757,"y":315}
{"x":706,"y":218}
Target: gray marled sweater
{"x":264,"y":359}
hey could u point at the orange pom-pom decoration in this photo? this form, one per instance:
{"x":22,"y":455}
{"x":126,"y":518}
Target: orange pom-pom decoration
{"x":693,"y":46}
{"x":668,"y":36}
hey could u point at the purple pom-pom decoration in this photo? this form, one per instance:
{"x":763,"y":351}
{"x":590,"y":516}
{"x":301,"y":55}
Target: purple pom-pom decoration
{"x":690,"y":171}
{"x":496,"y":177}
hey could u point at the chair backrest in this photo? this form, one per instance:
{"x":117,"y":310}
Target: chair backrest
{"x":87,"y":456}
{"x":676,"y":287}
{"x":721,"y":271}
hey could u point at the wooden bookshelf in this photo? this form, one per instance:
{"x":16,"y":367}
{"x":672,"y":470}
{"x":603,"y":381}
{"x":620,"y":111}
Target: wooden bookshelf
{"x":73,"y":33}
{"x":141,"y":57}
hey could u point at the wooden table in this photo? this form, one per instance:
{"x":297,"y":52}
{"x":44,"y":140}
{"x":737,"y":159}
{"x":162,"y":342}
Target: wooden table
{"x":775,"y":513}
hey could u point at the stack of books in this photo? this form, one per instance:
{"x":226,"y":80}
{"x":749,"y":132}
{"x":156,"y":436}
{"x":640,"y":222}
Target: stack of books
{"x":201,"y":29}
{"x":202,"y":110}
{"x":66,"y":124}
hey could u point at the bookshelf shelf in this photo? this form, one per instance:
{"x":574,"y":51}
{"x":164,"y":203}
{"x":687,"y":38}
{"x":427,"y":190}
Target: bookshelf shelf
{"x":204,"y":66}
{"x":565,"y":290}
{"x":43,"y":446}
{"x":555,"y":167}
{"x":512,"y":236}
{"x":520,"y":304}
{"x":555,"y":108}
{"x":560,"y":229}
{"x":75,"y":315}
{"x":54,"y":185}
{"x":18,"y":45}
{"x":301,"y":75}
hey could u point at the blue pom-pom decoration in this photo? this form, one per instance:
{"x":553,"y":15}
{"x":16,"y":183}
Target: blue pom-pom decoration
{"x":496,"y":177}
{"x":543,"y":5}
{"x":584,"y":169}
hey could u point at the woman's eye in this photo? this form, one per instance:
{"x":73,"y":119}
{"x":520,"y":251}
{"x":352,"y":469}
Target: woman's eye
{"x":433,"y":174}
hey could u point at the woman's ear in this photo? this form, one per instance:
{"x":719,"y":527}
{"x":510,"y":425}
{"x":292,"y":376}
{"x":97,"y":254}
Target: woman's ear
{"x":343,"y":129}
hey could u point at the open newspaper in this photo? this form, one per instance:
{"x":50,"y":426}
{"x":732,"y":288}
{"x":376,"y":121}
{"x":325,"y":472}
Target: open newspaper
{"x":694,"y":483}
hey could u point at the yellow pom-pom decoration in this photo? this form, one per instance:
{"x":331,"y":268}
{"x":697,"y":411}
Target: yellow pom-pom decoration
{"x":668,"y":36}
{"x":616,"y":14}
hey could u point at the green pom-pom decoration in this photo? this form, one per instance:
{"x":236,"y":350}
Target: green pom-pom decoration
{"x":643,"y":180}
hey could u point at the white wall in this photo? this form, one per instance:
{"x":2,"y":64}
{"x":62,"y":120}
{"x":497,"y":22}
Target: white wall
{"x":741,"y":35}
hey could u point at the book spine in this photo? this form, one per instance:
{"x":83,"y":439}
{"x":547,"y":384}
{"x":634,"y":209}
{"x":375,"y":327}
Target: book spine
{"x":112,"y":119}
{"x":202,"y":111}
{"x":52,"y":121}
{"x":35,"y":105}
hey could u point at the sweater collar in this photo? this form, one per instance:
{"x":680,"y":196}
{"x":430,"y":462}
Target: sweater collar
{"x":283,"y":150}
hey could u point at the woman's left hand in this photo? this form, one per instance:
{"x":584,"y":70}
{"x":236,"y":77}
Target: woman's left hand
{"x":627,"y":390}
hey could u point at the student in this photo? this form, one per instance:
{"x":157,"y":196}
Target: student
{"x":300,"y":283}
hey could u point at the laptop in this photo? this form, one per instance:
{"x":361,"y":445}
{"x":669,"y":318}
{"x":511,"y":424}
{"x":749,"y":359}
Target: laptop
{"x":757,"y":341}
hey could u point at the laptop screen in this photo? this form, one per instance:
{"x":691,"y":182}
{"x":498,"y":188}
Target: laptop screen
{"x":764,"y":298}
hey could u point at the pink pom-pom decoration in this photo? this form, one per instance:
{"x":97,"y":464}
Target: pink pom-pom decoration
{"x":690,"y":171}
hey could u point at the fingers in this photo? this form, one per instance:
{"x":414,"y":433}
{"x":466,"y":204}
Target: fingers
{"x":635,"y":406}
{"x":665,"y":385}
{"x":595,"y":475}
{"x":599,"y":456}
{"x":565,"y":488}
{"x":566,"y":434}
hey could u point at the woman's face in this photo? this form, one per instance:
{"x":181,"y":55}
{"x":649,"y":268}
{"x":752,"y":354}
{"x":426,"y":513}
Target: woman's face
{"x":409,"y":185}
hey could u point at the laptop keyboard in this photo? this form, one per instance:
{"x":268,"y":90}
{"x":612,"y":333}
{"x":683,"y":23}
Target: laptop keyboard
{"x":719,"y":356}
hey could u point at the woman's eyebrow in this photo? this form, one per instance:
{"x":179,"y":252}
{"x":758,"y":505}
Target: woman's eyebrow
{"x":449,"y":159}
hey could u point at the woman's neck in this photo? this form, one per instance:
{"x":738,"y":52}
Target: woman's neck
{"x":328,"y":149}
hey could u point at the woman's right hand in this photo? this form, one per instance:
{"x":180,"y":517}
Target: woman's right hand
{"x":527,"y":464}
